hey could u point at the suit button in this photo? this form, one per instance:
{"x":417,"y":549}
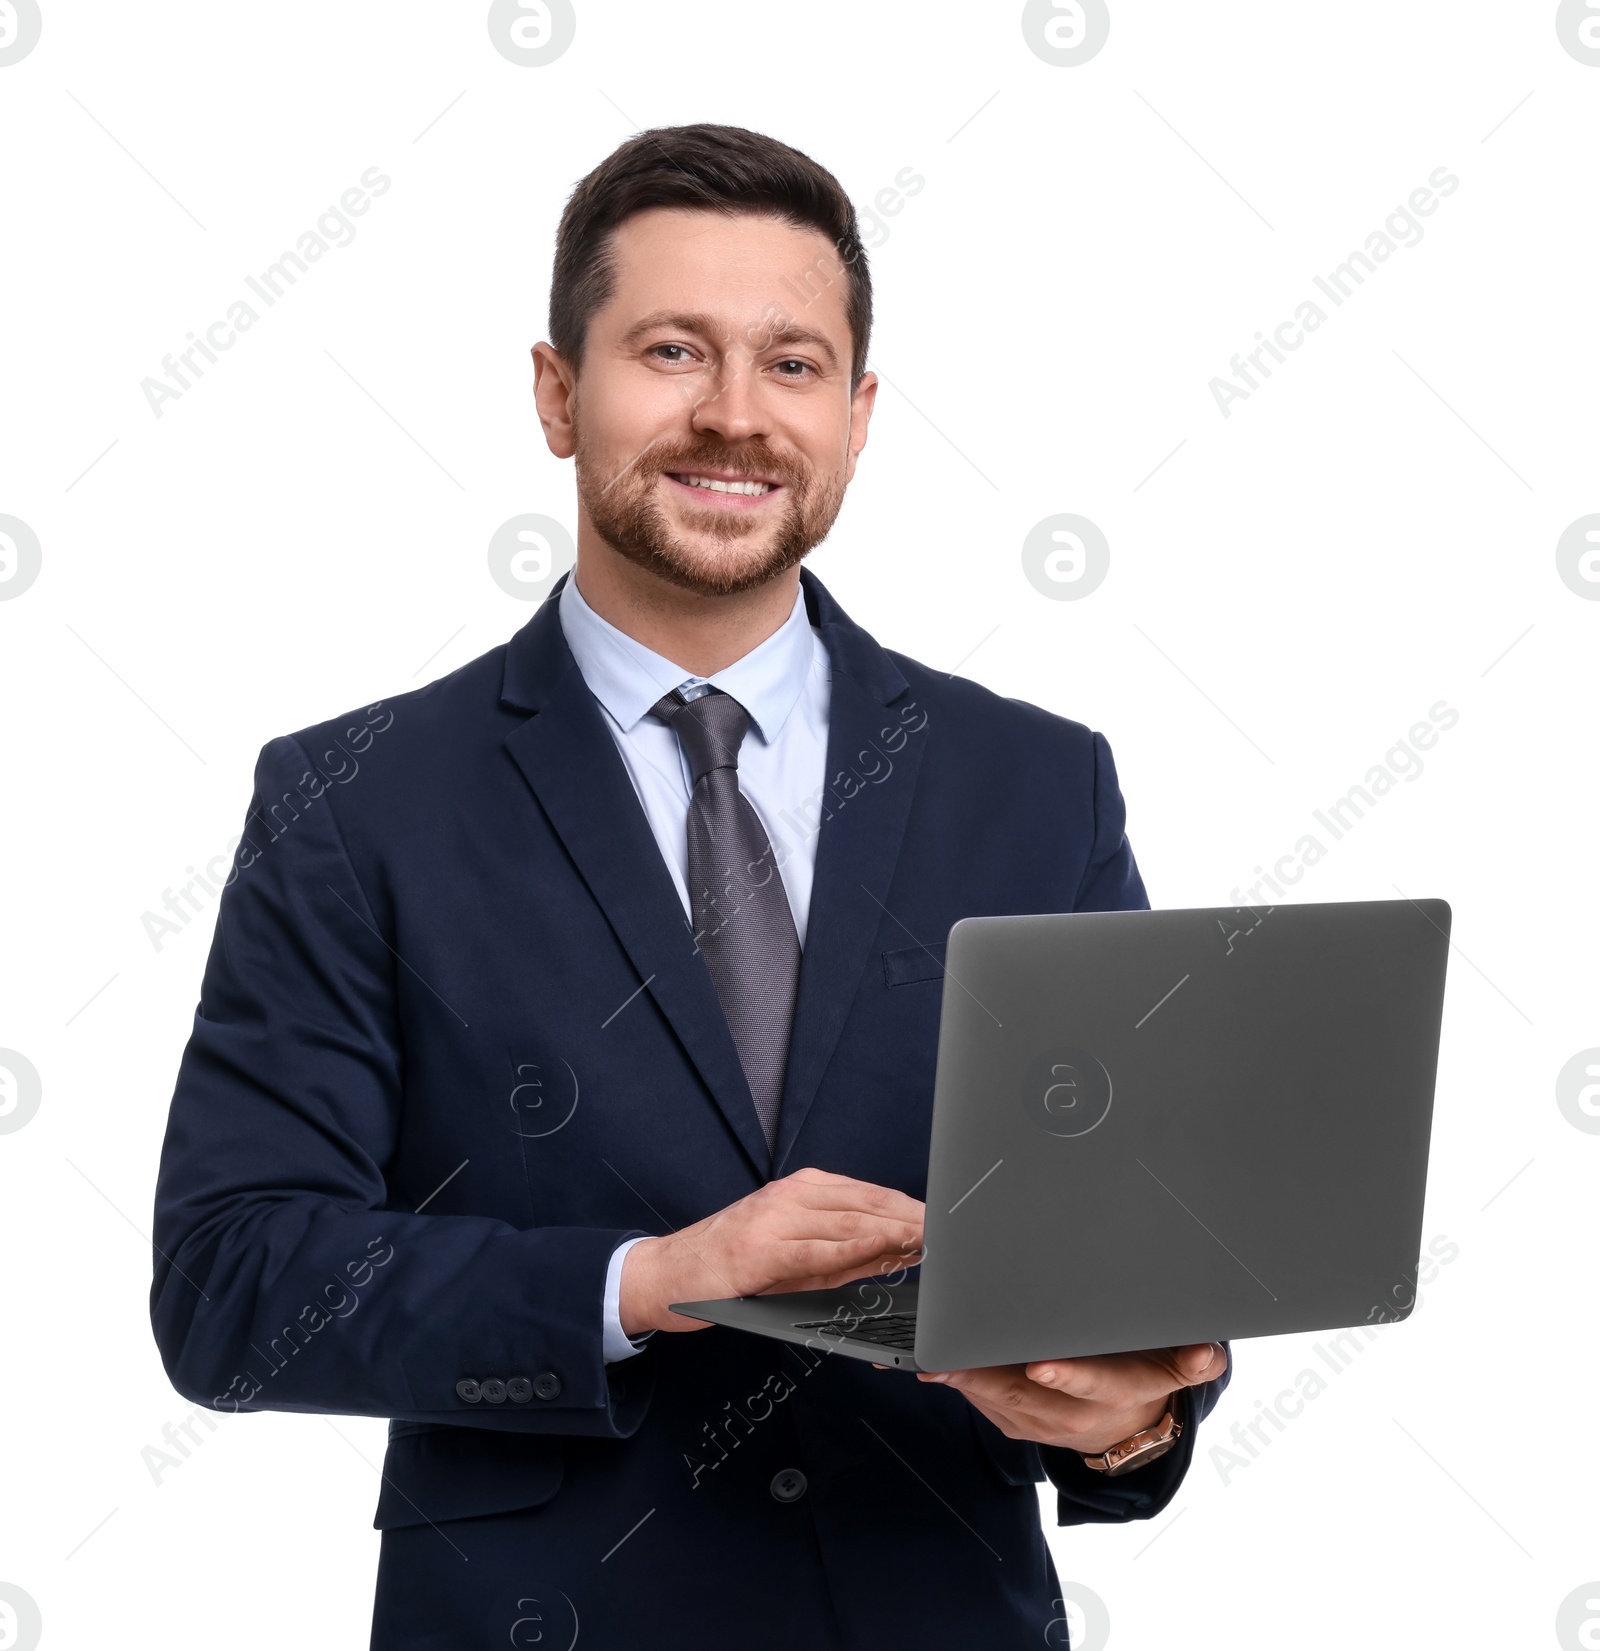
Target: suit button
{"x":547,"y":1384}
{"x":519,"y":1390}
{"x":493,"y":1390}
{"x":469,"y":1390}
{"x":789,"y":1486}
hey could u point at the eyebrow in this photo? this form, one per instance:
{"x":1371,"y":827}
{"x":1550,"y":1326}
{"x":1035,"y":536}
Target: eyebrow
{"x":694,"y":321}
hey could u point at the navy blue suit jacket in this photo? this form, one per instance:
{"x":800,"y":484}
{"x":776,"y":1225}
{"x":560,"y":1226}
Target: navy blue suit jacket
{"x":455,"y":1043}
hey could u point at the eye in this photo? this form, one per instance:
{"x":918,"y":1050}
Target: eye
{"x":673,"y":355}
{"x":793,"y":367}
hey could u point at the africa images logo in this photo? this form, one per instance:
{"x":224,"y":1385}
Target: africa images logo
{"x":531,"y":33}
{"x":1065,"y":33}
{"x":20,"y":27}
{"x":1578,"y":30}
{"x":20,"y":1091}
{"x":20,"y":556}
{"x":20,"y":1622}
{"x":1067,"y":1092}
{"x":527,"y":554}
{"x":1065,"y":557}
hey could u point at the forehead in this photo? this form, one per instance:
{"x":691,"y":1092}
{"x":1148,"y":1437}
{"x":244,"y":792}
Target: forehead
{"x":733,"y":267}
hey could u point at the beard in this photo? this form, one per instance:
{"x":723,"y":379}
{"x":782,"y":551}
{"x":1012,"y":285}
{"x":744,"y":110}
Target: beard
{"x":728,"y":553}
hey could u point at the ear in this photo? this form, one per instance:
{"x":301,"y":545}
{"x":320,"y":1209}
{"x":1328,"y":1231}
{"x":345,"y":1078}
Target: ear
{"x":554,"y":384}
{"x":862,"y":399}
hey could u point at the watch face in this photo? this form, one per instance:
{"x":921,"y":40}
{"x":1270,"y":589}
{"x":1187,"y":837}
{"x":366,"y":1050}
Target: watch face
{"x":1145,"y":1453}
{"x":1170,"y":1428}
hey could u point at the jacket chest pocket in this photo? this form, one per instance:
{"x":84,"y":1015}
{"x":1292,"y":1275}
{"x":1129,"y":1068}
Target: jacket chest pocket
{"x":913,"y":963}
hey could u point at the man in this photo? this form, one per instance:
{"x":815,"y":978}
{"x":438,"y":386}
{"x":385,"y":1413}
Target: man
{"x":603,"y":974}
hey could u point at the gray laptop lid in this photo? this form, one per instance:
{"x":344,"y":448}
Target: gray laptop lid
{"x":1154,"y":1128}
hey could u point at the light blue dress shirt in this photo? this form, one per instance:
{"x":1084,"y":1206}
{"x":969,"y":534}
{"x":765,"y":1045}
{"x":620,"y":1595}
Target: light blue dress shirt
{"x":785,"y":685}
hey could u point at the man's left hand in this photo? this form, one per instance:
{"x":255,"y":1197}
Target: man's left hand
{"x":1085,"y":1404}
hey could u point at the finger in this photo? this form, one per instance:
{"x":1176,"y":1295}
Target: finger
{"x":818,"y":1190}
{"x":1004,"y":1396}
{"x":889,"y":1232}
{"x":1126,"y":1379}
{"x":830,"y":1266}
{"x":816,"y":1177}
{"x":800,"y":1220}
{"x":1119,"y":1380}
{"x":847,"y":1214}
{"x":833,"y":1251}
{"x":856,"y":1257}
{"x":889,"y":1267}
{"x":1166,"y":1366}
{"x":1000,"y":1386}
{"x":879,"y":1268}
{"x":1203,"y":1362}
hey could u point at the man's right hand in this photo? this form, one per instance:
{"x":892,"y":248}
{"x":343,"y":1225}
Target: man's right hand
{"x":809,"y":1231}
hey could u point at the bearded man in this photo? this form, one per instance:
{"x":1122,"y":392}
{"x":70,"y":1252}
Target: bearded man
{"x":604,"y":974}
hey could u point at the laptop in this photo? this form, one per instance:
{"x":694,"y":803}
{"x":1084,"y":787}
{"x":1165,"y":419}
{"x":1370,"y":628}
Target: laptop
{"x":1156,"y":1128}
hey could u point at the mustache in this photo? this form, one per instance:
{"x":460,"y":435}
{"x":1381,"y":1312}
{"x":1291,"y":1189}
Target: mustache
{"x":755,"y":462}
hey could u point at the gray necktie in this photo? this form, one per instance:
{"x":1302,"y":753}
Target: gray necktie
{"x":743,"y":925}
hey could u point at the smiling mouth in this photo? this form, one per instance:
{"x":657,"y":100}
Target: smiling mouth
{"x":743,"y":487}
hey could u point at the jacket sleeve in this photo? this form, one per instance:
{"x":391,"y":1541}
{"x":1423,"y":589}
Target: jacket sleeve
{"x":284,"y":1278}
{"x":1111,"y":880}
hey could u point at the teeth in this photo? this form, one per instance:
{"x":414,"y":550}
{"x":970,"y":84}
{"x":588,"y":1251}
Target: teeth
{"x":752,"y":488}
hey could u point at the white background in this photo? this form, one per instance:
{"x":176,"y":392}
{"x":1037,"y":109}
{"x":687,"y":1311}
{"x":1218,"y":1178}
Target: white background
{"x":305,"y":530}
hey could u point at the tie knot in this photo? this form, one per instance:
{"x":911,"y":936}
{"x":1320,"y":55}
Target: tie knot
{"x":710,"y":729}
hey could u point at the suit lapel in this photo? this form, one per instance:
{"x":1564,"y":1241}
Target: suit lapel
{"x":571,"y":763}
{"x":876,"y":737}
{"x":864,"y":821}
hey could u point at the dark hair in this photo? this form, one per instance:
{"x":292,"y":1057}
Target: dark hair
{"x":714,"y":168}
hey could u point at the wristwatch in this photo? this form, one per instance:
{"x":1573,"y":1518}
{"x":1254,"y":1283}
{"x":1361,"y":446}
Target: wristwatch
{"x":1139,"y":1448}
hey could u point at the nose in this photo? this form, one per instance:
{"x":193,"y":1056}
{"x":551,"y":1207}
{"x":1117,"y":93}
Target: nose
{"x":728,"y":402}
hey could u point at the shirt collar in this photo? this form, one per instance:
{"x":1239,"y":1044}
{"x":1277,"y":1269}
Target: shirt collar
{"x":628,"y":678}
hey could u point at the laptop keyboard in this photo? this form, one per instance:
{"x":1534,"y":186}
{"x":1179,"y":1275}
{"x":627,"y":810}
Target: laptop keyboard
{"x":894,"y":1330}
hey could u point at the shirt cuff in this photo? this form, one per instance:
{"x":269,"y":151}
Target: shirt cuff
{"x":615,"y":1344}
